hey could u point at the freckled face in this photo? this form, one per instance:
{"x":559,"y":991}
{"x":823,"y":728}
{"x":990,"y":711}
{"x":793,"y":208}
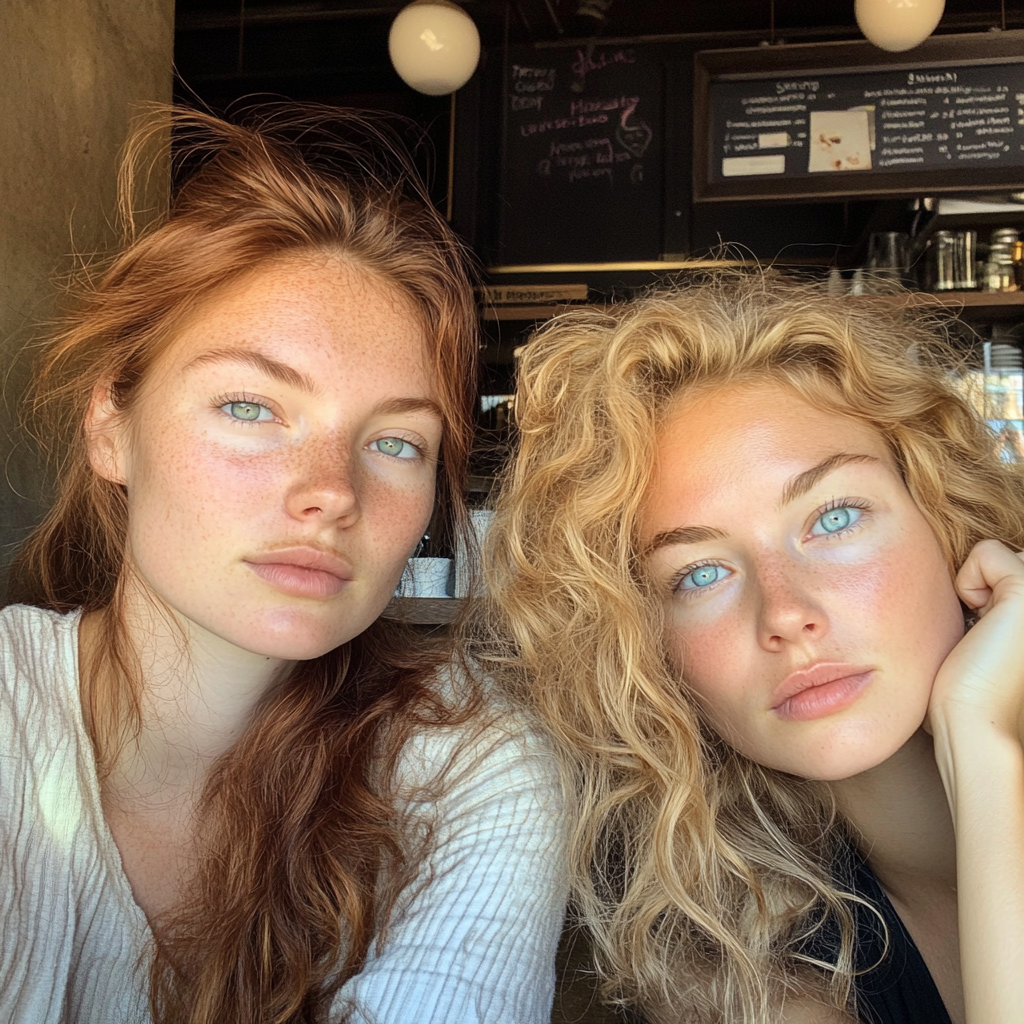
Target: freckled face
{"x":808,"y":603}
{"x":280,"y":458}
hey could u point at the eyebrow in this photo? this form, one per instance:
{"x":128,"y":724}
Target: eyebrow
{"x":685,"y":535}
{"x":803,"y":482}
{"x":794,"y":488}
{"x":258,"y":361}
{"x":400,"y":405}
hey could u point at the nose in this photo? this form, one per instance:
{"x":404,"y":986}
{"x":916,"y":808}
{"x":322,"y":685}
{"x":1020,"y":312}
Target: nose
{"x":789,"y":610}
{"x":325,"y":485}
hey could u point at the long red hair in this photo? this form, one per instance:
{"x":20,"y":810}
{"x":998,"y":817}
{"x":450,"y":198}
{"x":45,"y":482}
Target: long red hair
{"x":304,"y":851}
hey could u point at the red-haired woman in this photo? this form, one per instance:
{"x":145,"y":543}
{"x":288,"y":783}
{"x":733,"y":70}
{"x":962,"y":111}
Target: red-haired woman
{"x":231,"y":792}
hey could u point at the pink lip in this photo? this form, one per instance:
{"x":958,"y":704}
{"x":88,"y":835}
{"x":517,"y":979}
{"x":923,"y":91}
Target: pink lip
{"x":820,"y":690}
{"x":302,"y":571}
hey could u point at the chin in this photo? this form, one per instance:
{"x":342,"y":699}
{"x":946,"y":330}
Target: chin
{"x":293,"y":635}
{"x":837,"y":773}
{"x":294,"y":644}
{"x":848,"y":760}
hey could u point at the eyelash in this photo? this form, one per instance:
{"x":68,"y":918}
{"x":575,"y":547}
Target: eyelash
{"x":244,"y":397}
{"x":419,"y":448}
{"x":676,"y":583}
{"x":859,"y":503}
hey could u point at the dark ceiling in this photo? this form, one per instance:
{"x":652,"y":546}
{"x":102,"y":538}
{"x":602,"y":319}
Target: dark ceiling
{"x":335,"y":48}
{"x":335,"y":51}
{"x":549,"y":20}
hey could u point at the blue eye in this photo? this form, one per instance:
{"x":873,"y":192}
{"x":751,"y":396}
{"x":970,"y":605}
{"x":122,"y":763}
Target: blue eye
{"x":703,"y":576}
{"x":835,"y":520}
{"x":249,"y":412}
{"x":395,"y":447}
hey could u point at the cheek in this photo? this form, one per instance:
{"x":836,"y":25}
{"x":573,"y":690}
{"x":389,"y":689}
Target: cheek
{"x":911,"y":587}
{"x":195,"y":487}
{"x":863,"y":591}
{"x":231,"y":480}
{"x":901,"y":605}
{"x":708,"y":656}
{"x":930,"y":611}
{"x":396,"y":513}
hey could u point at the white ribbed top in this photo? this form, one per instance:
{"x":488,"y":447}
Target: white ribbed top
{"x":474,"y":946}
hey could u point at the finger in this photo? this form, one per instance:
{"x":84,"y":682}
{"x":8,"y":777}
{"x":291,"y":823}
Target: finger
{"x":989,"y":565}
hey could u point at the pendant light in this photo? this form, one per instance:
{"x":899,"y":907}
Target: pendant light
{"x":897,"y":25}
{"x":434,"y":46}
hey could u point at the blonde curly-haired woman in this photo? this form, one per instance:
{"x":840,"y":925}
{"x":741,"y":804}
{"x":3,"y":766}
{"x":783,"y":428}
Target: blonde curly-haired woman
{"x":734,"y":561}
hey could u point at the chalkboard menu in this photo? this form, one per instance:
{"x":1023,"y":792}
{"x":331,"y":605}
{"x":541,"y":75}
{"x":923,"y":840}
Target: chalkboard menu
{"x":948,"y":116}
{"x":582,"y":167}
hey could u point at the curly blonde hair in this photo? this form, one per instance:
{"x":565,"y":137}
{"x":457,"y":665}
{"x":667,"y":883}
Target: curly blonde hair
{"x":703,"y":877}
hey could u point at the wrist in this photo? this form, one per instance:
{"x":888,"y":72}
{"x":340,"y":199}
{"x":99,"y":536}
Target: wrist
{"x":967,"y":726}
{"x":976,"y":755}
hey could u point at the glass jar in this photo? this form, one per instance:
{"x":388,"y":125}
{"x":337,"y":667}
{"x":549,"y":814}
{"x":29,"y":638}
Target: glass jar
{"x":1004,"y":397}
{"x":1000,"y":274}
{"x":965,"y":246}
{"x":940,"y":262}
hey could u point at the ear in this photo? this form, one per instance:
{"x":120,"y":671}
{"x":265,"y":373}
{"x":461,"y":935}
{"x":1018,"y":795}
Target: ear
{"x":105,"y":436}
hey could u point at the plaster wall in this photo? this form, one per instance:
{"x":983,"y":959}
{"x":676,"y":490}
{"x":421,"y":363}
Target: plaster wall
{"x":72,"y":74}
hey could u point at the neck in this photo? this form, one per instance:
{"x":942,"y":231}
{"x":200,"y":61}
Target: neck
{"x":197,"y":693}
{"x":901,"y":813}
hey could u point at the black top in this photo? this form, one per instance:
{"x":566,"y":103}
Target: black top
{"x":900,"y":990}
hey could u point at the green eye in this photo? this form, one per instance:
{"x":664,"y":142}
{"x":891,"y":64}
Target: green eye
{"x":395,"y":447}
{"x":250,"y":412}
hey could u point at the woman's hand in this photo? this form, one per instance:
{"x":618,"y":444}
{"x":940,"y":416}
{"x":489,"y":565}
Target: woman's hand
{"x":975,"y":717}
{"x":980,"y":686}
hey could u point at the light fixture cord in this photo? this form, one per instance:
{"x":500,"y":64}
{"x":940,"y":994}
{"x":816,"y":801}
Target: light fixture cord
{"x":554,"y":18}
{"x":1002,"y":11}
{"x":771,"y":21}
{"x":241,"y":36}
{"x":451,"y":158}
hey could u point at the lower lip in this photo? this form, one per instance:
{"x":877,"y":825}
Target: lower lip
{"x":298,"y":580}
{"x":827,"y":699}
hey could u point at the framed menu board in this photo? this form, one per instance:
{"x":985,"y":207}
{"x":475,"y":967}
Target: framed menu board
{"x":832,"y":120}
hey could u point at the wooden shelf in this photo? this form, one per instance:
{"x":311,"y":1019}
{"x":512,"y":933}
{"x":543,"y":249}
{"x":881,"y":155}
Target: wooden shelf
{"x":424,"y":611}
{"x":972,"y":306}
{"x":479,"y":484}
{"x":544,"y":312}
{"x":999,"y":303}
{"x":973,"y":299}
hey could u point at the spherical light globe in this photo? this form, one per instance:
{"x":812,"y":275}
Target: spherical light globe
{"x":434,"y":46}
{"x":897,"y":25}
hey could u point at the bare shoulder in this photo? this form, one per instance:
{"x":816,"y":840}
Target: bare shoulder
{"x":805,"y":1010}
{"x":798,"y":1010}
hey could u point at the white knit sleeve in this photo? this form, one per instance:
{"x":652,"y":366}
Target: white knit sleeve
{"x":475,"y":942}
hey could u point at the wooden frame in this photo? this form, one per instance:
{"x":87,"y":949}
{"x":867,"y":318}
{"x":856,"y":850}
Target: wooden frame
{"x":952,"y":51}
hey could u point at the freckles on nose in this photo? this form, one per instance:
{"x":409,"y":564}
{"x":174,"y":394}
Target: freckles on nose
{"x":323,"y":459}
{"x":779,"y":579}
{"x":775,"y":590}
{"x":783,"y":591}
